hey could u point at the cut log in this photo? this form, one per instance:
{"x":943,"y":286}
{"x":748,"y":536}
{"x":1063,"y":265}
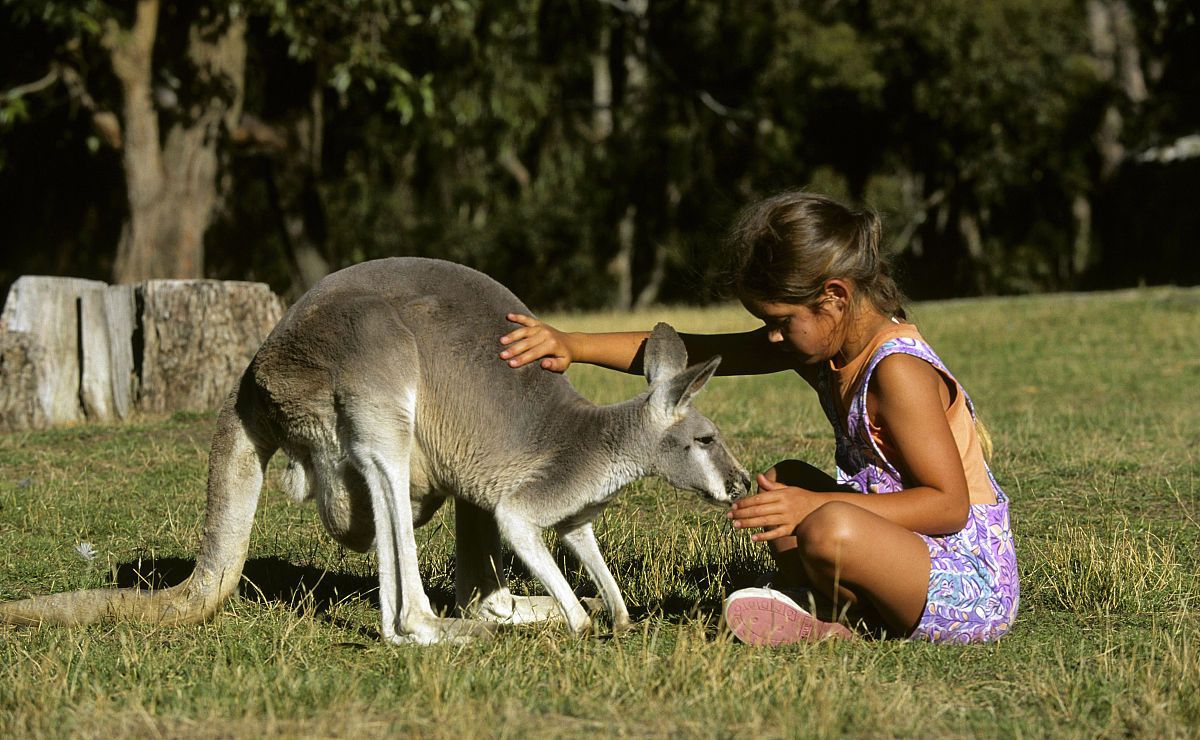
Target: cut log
{"x":19,"y":360}
{"x":107,"y":322}
{"x":198,"y":336}
{"x":45,"y":311}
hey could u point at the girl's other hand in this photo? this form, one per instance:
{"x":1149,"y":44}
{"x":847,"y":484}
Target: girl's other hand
{"x":776,"y":509}
{"x":535,"y":340}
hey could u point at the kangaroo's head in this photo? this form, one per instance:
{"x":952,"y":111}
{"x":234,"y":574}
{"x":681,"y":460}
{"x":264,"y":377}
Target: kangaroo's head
{"x":689,"y":451}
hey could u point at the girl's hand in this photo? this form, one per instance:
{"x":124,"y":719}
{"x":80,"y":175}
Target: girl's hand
{"x":535,"y":340}
{"x":776,"y":508}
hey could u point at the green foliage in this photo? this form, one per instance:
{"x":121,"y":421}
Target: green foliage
{"x":71,"y":18}
{"x":362,"y":43}
{"x":472,"y":129}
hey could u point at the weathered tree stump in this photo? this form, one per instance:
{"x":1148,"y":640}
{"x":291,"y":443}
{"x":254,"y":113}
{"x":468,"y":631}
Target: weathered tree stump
{"x":198,"y":337}
{"x":19,"y":403}
{"x":41,"y":314}
{"x":74,"y":350}
{"x":107,"y":321}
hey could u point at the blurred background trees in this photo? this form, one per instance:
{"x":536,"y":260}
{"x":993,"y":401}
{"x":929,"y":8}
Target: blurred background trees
{"x":591,"y":152}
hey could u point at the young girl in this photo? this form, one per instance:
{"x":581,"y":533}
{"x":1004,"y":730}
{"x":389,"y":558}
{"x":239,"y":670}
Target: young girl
{"x":912,"y":537}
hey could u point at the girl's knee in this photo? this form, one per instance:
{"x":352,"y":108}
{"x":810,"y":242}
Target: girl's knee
{"x":778,"y":473}
{"x":828,"y":532}
{"x":801,"y":474}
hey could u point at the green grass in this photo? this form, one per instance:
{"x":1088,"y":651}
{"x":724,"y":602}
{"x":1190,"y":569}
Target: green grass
{"x":1093,"y":404}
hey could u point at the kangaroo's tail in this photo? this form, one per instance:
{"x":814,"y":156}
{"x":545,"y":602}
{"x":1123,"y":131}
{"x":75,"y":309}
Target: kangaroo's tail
{"x":236,"y":465}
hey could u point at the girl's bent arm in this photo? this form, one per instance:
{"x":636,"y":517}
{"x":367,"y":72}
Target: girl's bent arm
{"x":911,"y":401}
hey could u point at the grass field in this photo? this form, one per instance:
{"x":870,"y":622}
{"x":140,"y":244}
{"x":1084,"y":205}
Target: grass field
{"x":1094,"y":405}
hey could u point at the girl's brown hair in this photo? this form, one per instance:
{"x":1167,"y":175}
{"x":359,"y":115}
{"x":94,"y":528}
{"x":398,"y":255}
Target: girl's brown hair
{"x":784,"y":248}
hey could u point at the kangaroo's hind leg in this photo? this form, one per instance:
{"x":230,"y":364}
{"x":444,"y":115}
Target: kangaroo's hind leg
{"x":377,"y":432}
{"x":525,"y":538}
{"x":479,"y":584}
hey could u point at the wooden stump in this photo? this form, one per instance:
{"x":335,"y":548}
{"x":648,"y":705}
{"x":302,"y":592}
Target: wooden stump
{"x":198,"y":337}
{"x":74,"y":350}
{"x":41,"y":314}
{"x":19,"y":360}
{"x":107,"y":321}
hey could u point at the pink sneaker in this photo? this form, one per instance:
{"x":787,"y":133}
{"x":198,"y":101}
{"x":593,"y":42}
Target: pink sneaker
{"x":764,"y":616}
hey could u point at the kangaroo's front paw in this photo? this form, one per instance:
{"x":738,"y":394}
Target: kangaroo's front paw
{"x":622,"y":625}
{"x":583,"y":627}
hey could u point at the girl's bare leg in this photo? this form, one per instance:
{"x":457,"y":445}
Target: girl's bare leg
{"x":857,"y":557}
{"x":865,"y":566}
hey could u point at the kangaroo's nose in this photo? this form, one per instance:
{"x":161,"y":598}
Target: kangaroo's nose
{"x":738,"y":485}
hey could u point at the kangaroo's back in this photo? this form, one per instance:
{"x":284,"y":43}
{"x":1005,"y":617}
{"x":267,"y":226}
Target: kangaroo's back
{"x":420,"y":326}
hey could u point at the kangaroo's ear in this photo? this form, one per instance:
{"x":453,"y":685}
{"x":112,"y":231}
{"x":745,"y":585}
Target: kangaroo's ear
{"x":674,"y":394}
{"x":665,"y":355}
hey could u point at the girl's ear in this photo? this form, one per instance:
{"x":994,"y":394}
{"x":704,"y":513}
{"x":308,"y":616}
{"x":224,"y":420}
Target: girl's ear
{"x":839,"y":292}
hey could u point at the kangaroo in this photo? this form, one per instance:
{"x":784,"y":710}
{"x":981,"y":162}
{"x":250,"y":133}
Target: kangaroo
{"x":384,"y":388}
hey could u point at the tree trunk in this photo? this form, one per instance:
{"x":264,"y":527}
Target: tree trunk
{"x":658,"y":273}
{"x":968,"y":227}
{"x":1081,"y":253}
{"x":649,"y":292}
{"x":621,"y":265}
{"x":292,"y":183}
{"x":622,"y":117}
{"x":602,"y":88}
{"x":1117,"y":59}
{"x":172,"y":185}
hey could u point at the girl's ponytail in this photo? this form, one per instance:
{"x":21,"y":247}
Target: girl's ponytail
{"x":878,"y":284}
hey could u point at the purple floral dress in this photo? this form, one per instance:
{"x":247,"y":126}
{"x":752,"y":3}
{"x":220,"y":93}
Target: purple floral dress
{"x":973,"y":584}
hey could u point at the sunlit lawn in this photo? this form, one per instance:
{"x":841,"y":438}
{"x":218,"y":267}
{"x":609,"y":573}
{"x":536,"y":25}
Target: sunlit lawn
{"x":1094,"y":407}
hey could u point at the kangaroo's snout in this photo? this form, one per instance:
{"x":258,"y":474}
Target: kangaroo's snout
{"x":737,"y":485}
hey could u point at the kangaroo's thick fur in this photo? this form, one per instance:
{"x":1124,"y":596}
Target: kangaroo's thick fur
{"x":384,"y":388}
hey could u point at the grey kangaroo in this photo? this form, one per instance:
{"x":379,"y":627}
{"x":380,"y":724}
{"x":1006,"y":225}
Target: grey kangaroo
{"x":384,"y":387}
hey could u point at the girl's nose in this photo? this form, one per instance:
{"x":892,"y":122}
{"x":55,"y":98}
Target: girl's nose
{"x":775,"y":335}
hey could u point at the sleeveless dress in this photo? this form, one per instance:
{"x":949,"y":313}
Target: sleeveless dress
{"x":973,"y":585}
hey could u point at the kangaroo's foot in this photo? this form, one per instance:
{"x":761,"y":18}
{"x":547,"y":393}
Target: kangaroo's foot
{"x":444,"y":629}
{"x":502,"y":607}
{"x":622,"y":626}
{"x":594,"y":606}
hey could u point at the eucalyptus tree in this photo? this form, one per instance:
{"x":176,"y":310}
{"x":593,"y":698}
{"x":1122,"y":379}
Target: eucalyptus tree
{"x":179,"y":72}
{"x":176,"y":111}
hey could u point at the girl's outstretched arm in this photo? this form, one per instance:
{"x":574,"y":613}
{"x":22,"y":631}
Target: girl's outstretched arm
{"x":745,"y":353}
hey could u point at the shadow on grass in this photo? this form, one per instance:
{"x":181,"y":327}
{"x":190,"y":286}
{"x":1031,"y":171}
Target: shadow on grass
{"x":305,"y":587}
{"x":274,"y":580}
{"x":716,"y":583}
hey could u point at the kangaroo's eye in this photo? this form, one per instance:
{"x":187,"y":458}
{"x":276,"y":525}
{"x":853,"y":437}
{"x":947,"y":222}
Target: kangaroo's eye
{"x":706,"y":440}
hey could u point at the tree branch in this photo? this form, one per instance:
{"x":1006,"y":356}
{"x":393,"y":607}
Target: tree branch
{"x":36,"y":86}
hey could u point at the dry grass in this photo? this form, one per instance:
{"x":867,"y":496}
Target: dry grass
{"x":1093,"y":404}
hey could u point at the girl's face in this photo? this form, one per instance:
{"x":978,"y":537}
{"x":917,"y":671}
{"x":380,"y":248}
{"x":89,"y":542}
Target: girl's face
{"x":812,"y":334}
